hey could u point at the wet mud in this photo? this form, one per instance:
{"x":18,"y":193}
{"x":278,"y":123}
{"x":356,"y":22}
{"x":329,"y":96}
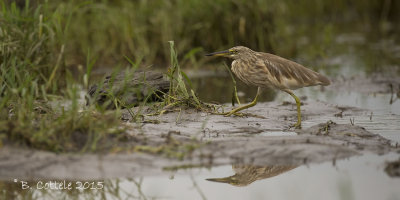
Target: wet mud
{"x":186,"y":138}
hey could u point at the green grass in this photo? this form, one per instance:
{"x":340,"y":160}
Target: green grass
{"x":142,"y":29}
{"x":179,"y":93}
{"x":34,"y":76}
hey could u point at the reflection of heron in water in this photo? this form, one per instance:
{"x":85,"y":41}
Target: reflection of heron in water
{"x":247,"y":174}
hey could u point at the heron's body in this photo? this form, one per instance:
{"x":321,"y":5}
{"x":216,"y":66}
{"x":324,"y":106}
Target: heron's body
{"x":267,"y":70}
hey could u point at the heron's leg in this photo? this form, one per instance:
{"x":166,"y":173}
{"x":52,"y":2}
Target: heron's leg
{"x":298,"y":124}
{"x":253,"y":103}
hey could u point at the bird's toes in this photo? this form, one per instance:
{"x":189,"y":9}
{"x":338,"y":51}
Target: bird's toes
{"x":296,"y":126}
{"x":240,"y":114}
{"x":228,"y":114}
{"x":233,"y":113}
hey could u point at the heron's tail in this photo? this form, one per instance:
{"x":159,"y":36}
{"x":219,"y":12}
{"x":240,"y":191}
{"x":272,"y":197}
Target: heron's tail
{"x":323,"y":80}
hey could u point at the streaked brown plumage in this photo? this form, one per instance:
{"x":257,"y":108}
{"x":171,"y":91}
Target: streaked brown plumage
{"x":268,"y":70}
{"x":247,"y":174}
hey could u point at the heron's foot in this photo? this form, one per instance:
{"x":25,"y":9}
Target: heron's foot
{"x":297,"y":125}
{"x":233,"y":112}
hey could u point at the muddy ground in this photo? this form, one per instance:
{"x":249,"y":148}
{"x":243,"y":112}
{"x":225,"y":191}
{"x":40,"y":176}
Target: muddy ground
{"x":188,"y":138}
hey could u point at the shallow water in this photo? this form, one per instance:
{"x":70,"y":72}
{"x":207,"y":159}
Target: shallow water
{"x":361,"y":177}
{"x":358,"y":178}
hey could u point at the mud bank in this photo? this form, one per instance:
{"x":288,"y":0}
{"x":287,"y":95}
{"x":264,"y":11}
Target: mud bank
{"x":261,"y":138}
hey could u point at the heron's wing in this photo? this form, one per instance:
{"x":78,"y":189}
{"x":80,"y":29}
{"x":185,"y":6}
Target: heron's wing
{"x":289,"y":74}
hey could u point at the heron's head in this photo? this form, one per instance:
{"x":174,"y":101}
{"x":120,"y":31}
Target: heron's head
{"x":239,"y":52}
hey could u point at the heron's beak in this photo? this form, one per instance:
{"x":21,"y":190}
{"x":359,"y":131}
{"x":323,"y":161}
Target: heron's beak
{"x":219,"y":53}
{"x":221,"y":180}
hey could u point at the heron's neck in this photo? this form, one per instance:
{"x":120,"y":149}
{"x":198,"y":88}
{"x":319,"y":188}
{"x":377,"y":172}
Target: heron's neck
{"x":247,"y":59}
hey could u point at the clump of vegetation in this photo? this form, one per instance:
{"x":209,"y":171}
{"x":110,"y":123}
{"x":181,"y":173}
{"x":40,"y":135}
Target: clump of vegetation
{"x":179,"y":94}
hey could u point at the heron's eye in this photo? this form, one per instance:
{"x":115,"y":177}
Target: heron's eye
{"x":233,"y":51}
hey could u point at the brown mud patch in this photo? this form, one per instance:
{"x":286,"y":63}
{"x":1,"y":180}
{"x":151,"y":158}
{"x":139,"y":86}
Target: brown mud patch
{"x":393,"y":168}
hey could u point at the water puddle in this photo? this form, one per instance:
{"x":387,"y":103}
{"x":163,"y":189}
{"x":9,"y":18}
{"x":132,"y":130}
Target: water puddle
{"x":361,"y":177}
